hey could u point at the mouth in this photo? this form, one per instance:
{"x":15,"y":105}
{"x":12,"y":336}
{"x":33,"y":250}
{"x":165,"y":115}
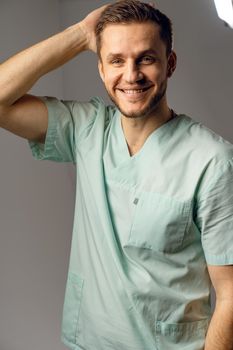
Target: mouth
{"x":135,"y":91}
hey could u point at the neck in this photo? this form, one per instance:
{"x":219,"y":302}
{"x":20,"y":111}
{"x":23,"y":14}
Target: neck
{"x":136,"y":131}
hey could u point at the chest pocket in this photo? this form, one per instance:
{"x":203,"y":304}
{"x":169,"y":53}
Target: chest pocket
{"x":159,"y":223}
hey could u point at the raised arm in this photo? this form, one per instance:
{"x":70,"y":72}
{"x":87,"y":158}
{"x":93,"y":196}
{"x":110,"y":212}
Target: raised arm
{"x":26,"y":115}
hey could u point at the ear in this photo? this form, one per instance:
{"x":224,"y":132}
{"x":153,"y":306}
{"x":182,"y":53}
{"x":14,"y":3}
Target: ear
{"x":101,"y":71}
{"x":171,"y":65}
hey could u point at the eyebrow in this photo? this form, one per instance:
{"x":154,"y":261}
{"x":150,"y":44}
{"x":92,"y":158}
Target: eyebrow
{"x":141,"y":53}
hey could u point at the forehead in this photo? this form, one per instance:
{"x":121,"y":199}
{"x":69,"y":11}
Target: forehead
{"x":131,"y":37}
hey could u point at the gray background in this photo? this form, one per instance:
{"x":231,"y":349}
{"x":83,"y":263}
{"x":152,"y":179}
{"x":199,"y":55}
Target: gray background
{"x":37,"y":198}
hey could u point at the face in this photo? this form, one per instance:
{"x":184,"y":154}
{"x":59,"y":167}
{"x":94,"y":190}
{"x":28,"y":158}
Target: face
{"x":134,"y":67}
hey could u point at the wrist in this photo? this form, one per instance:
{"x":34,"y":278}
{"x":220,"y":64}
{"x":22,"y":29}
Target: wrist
{"x":82,"y":27}
{"x":80,"y":36}
{"x":89,"y":35}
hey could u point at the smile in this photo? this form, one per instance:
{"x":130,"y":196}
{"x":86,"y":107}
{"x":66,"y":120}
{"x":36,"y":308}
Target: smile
{"x":134,"y":91}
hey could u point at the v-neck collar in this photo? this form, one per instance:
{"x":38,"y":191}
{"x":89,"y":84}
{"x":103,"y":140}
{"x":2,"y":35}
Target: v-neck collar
{"x":156,"y":133}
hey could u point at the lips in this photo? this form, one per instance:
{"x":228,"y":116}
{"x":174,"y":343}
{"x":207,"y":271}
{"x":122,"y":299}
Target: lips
{"x":134,"y":94}
{"x":134,"y":91}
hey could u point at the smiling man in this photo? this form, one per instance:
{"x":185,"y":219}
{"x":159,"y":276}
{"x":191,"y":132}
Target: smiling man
{"x":153,"y":222}
{"x":135,"y":65}
{"x":137,"y":92}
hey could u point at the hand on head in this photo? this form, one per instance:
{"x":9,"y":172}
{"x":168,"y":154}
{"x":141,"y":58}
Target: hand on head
{"x":88,"y":25}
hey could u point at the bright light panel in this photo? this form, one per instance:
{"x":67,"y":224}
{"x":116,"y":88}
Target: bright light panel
{"x":225,"y":11}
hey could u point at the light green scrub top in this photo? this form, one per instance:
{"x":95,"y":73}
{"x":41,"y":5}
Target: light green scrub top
{"x":145,"y":228}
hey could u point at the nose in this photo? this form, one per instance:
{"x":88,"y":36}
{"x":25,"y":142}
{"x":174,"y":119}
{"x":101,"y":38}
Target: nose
{"x":132,"y":73}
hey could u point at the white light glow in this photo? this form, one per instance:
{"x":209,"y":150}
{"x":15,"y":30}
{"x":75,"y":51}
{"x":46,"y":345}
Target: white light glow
{"x":225,"y":11}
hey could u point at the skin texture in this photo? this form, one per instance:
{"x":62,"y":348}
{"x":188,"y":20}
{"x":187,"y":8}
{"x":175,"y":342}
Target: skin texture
{"x":133,"y":57}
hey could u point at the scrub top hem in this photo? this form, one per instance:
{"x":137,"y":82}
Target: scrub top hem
{"x":42,"y":151}
{"x":224,"y":259}
{"x":71,"y":345}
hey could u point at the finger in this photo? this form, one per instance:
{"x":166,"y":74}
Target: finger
{"x":152,"y":4}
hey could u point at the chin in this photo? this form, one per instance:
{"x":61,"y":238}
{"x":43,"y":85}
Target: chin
{"x":137,"y":111}
{"x":141,"y":110}
{"x":133,"y":113}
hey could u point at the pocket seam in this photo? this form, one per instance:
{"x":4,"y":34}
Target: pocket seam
{"x":166,"y":328}
{"x":75,"y":302}
{"x":186,"y":210}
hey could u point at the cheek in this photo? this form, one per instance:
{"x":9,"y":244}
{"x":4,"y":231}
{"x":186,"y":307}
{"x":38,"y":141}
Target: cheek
{"x":111,"y":78}
{"x":160,"y":79}
{"x":155,"y":75}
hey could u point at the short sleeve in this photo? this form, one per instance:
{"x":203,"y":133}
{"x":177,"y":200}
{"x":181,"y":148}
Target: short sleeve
{"x":66,"y":122}
{"x":214,"y":216}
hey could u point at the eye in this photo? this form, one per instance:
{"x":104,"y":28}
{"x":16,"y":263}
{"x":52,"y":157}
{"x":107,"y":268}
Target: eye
{"x":147,"y":60}
{"x":117,"y":61}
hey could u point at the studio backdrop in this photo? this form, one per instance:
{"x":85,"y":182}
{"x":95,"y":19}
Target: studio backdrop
{"x":37,"y":198}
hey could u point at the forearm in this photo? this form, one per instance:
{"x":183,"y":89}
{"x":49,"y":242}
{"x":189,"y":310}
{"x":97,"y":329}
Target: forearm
{"x":20,"y":72}
{"x":220,"y":332}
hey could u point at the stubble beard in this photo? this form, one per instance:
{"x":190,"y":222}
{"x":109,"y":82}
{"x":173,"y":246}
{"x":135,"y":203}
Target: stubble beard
{"x":151,"y":107}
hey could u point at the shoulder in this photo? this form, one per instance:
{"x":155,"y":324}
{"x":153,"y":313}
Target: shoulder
{"x":82,"y":113}
{"x":96,"y":107}
{"x":94,"y":104}
{"x":207,"y":156}
{"x":204,"y":143}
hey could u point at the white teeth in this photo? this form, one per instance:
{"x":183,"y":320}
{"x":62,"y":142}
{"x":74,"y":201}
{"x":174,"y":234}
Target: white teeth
{"x":133,"y":91}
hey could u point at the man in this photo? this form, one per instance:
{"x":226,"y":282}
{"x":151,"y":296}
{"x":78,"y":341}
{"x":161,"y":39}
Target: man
{"x":153,"y":221}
